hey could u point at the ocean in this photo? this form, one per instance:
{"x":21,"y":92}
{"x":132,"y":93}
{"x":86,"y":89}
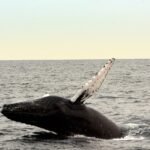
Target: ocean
{"x":124,"y":98}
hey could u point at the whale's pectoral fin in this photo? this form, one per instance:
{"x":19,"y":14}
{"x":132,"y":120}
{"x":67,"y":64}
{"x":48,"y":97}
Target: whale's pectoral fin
{"x":94,"y":84}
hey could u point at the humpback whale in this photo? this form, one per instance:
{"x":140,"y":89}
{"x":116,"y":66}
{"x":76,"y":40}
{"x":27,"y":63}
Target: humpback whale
{"x":67,"y":117}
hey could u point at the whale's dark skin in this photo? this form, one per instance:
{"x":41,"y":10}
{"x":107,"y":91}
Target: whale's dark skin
{"x":63,"y":117}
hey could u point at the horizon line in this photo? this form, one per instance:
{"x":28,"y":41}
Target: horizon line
{"x":74,"y":59}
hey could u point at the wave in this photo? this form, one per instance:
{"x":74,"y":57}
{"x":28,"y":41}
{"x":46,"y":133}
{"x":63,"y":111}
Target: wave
{"x":109,"y":97}
{"x":135,"y":131}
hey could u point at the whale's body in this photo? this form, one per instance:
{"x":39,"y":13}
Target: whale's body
{"x":67,"y":117}
{"x":63,"y":117}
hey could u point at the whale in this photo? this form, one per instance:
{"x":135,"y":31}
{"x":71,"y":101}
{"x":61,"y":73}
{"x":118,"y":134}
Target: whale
{"x":67,"y":117}
{"x":62,"y":117}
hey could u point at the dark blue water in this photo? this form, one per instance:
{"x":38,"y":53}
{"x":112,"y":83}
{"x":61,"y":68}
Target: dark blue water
{"x":124,"y":98}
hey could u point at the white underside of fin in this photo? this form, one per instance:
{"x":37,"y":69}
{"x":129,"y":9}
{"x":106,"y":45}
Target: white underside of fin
{"x":90,"y":87}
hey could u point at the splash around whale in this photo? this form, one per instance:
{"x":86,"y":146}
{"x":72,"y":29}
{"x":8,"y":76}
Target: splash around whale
{"x":67,"y":117}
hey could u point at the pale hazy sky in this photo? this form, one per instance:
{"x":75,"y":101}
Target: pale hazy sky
{"x":74,"y":29}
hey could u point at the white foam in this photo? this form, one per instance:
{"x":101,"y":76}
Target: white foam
{"x":134,"y":125}
{"x":130,"y":138}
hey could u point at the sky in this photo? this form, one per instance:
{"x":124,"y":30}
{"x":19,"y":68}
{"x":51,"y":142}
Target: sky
{"x":74,"y":29}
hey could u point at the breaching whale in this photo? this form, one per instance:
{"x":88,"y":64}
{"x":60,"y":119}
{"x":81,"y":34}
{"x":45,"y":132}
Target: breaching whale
{"x":67,"y":117}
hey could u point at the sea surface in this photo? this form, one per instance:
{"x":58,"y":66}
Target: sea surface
{"x":124,"y":98}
